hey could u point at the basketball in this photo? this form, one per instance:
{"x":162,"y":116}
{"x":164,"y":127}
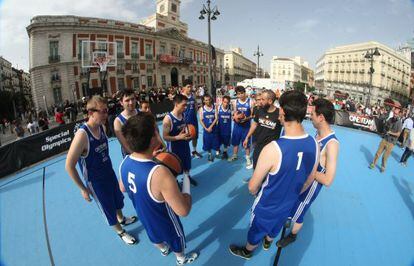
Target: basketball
{"x":171,"y":161}
{"x":238,"y":116}
{"x":190,"y":129}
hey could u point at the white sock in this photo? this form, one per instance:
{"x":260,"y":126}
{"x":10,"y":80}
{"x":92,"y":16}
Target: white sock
{"x":247,"y":157}
{"x":181,"y":259}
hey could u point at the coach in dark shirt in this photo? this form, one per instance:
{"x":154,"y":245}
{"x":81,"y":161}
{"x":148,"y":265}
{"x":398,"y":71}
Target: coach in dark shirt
{"x":266,"y":126}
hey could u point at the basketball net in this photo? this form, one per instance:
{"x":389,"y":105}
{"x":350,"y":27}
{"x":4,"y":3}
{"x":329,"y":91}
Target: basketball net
{"x":102,"y":61}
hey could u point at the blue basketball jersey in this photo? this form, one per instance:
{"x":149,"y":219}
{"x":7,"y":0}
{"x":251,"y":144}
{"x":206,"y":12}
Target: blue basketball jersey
{"x":177,"y":125}
{"x":190,"y":112}
{"x":208,"y":117}
{"x":96,"y":165}
{"x":157,"y":217}
{"x":280,"y":191}
{"x":122,"y":119}
{"x":224,"y":120}
{"x":244,"y":108}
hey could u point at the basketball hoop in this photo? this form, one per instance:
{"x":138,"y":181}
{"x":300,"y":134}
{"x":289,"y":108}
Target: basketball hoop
{"x":102,"y":61}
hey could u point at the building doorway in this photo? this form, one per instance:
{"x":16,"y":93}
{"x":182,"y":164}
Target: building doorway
{"x":174,"y":77}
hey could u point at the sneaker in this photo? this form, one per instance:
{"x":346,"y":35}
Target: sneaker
{"x":166,"y":251}
{"x":404,"y":164}
{"x":189,"y":258}
{"x":210,"y":157}
{"x":218,"y":156}
{"x":127,"y":238}
{"x":382,"y":169}
{"x":266,"y":243}
{"x":232,"y":158}
{"x":286,"y":241}
{"x":196,"y":155}
{"x":372,"y":166}
{"x":225,"y":156}
{"x":128,"y":220}
{"x":193,"y":182}
{"x":240,"y":252}
{"x":249,"y":164}
{"x":246,"y":179}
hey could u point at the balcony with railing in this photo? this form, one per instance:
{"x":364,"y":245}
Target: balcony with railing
{"x":170,"y":59}
{"x":120,"y":55}
{"x":54,"y":59}
{"x":134,"y":55}
{"x":120,"y":71}
{"x":149,"y":56}
{"x":55,"y":79}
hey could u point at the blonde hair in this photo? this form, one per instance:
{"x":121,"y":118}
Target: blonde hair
{"x":95,"y":101}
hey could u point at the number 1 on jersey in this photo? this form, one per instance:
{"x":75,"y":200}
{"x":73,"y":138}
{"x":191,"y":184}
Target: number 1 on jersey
{"x":300,"y":154}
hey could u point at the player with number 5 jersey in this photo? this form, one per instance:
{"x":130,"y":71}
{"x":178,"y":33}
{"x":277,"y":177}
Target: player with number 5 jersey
{"x":285,"y":168}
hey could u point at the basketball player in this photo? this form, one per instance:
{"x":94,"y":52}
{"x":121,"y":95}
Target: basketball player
{"x":154,"y":190}
{"x":322,"y":115}
{"x":285,"y":168}
{"x":144,"y":106}
{"x":224,"y":125}
{"x":190,"y":113}
{"x":90,"y":149}
{"x":265,"y":126}
{"x":129,"y":104}
{"x":173,"y":132}
{"x":208,"y":120}
{"x":243,"y":105}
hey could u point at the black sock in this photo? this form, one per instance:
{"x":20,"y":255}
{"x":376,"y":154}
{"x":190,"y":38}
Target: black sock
{"x":246,"y":251}
{"x":292,"y":235}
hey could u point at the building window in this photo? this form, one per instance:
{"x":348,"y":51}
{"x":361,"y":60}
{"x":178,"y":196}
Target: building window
{"x":173,"y":51}
{"x":174,"y":8}
{"x":121,"y":84}
{"x":162,"y":8}
{"x":162,"y":49}
{"x":57,"y":95}
{"x":191,"y":54}
{"x":136,"y":83}
{"x":163,"y":80}
{"x":149,"y":81}
{"x":54,"y":48}
{"x":148,"y":51}
{"x":85,"y":89}
{"x":134,"y":50}
{"x":120,"y":49}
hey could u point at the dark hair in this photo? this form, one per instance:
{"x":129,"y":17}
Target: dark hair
{"x":207,"y":96}
{"x":271,"y":94}
{"x":126,"y":93}
{"x":294,"y":104}
{"x":138,"y":131}
{"x":226,"y":97}
{"x":143,"y":101}
{"x":179,"y":98}
{"x":187,"y":82}
{"x":240,"y":89}
{"x":325,"y":108}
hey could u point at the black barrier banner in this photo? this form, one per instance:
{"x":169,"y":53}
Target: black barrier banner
{"x":8,"y":160}
{"x":160,"y":110}
{"x":37,"y":147}
{"x":354,"y":120}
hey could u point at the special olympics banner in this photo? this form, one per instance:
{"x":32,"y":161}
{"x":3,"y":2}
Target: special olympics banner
{"x":159,"y":110}
{"x":354,"y":120}
{"x":33,"y":149}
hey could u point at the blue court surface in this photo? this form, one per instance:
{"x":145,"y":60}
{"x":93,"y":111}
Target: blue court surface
{"x":364,"y":218}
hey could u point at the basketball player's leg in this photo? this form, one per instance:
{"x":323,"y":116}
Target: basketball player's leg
{"x":207,"y":145}
{"x":243,"y":134}
{"x":108,"y":203}
{"x":235,"y":142}
{"x":194,"y":142}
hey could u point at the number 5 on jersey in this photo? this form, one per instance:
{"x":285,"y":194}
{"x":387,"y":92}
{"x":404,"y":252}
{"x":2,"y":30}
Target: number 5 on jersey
{"x":131,"y":181}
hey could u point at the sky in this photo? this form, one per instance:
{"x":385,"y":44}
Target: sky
{"x":281,"y":28}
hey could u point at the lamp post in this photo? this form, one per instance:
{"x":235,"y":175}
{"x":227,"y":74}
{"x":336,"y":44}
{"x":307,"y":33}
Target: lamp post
{"x":258,"y":53}
{"x":211,"y":14}
{"x":370,"y":56}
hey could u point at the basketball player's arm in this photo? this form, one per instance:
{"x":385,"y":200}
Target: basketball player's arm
{"x":327,"y":178}
{"x":200,"y":118}
{"x":252,"y":128}
{"x":311,"y":177}
{"x":167,"y":184}
{"x":120,"y":136}
{"x":263,"y":167}
{"x":77,"y":147}
{"x":166,"y":128}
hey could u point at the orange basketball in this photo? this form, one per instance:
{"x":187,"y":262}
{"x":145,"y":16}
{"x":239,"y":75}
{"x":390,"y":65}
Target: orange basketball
{"x":238,"y":116}
{"x":171,"y":161}
{"x":190,"y":129}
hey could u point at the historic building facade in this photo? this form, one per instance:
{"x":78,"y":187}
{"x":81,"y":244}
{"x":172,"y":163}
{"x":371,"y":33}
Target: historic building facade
{"x":237,"y":67}
{"x":346,"y":69}
{"x":147,"y":57}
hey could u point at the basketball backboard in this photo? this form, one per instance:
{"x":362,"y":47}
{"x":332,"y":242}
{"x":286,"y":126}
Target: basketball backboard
{"x":98,"y":54}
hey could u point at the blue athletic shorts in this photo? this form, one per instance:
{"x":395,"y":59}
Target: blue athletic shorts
{"x":259,"y":228}
{"x":210,"y":141}
{"x":305,"y":201}
{"x":238,"y":135}
{"x":224,"y":140}
{"x":108,"y":197}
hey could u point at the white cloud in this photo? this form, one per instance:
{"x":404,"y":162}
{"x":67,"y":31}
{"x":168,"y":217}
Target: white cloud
{"x":15,"y":17}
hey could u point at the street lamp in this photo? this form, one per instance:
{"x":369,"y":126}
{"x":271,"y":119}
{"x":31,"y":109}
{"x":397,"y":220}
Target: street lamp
{"x":211,"y":14}
{"x":258,"y":53}
{"x":370,"y":56}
